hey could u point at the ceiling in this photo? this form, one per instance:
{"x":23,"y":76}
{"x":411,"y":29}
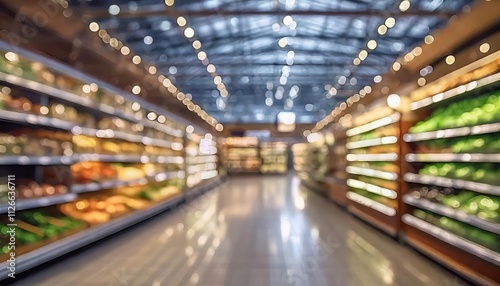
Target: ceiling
{"x":267,"y":61}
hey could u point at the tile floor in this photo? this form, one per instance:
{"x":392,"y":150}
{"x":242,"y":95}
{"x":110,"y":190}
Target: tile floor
{"x":253,"y":230}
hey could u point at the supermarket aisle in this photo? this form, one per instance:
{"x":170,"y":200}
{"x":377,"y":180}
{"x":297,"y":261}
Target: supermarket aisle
{"x":263,"y":230}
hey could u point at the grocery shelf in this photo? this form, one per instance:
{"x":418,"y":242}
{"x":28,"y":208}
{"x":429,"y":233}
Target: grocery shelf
{"x":31,"y":119}
{"x":453,"y":132}
{"x":127,"y":158}
{"x":65,"y":245}
{"x":372,"y":142}
{"x":85,"y":102}
{"x":386,"y":157}
{"x":388,"y":120}
{"x":452,"y":239}
{"x":93,"y":187}
{"x":37,"y":160}
{"x":452,"y":213}
{"x":372,"y":188}
{"x":473,"y":85}
{"x":69,"y":160}
{"x":453,"y":183}
{"x":390,"y":176}
{"x":371,"y":204}
{"x":25,"y":204}
{"x":450,"y":157}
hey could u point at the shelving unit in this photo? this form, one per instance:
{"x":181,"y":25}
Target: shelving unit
{"x":201,"y":159}
{"x":446,"y":217}
{"x":241,"y":155}
{"x":274,"y":157}
{"x":374,"y":151}
{"x":87,"y":140}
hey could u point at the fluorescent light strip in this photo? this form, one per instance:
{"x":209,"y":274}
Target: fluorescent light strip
{"x":374,"y":124}
{"x":453,"y":132}
{"x":372,"y":188}
{"x":455,"y":91}
{"x":372,"y":142}
{"x":391,"y":157}
{"x":464,"y":157}
{"x":371,"y":204}
{"x":372,"y":173}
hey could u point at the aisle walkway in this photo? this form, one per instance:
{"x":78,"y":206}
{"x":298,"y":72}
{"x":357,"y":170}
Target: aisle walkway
{"x":251,"y":231}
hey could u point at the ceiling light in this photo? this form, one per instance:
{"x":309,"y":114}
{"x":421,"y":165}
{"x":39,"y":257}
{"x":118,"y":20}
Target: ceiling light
{"x":393,"y":101}
{"x":276,"y":27}
{"x":197,"y":44}
{"x":353,"y":81}
{"x":382,"y":29}
{"x":377,"y":79}
{"x":181,"y":96}
{"x":363,"y":54}
{"x":169,"y":2}
{"x":172,"y":70}
{"x":136,"y":89}
{"x":450,"y":60}
{"x":181,"y":21}
{"x":125,"y":50}
{"x":219,"y":127}
{"x":152,"y":70}
{"x":269,"y":101}
{"x":94,"y":27}
{"x":390,"y":22}
{"x":429,"y":39}
{"x":136,"y":106}
{"x":282,"y":42}
{"x":224,"y":93}
{"x":421,"y":81}
{"x":189,"y":32}
{"x":290,"y":54}
{"x":368,"y":89}
{"x":396,"y":66}
{"x":484,"y":48}
{"x":417,"y":51}
{"x":162,"y":119}
{"x":372,"y":44}
{"x":114,"y":10}
{"x":356,"y":61}
{"x":404,"y":5}
{"x":148,"y":40}
{"x":167,"y":82}
{"x":210,"y":68}
{"x":333,"y":91}
{"x":202,"y":56}
{"x":287,"y":20}
{"x":151,"y":116}
{"x":190,"y":129}
{"x":136,"y":60}
{"x":217,"y":80}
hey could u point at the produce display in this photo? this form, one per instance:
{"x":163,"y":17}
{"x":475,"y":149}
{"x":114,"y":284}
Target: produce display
{"x":37,"y":142}
{"x":482,"y":206}
{"x":467,"y":112}
{"x":469,"y":232}
{"x":35,"y":228}
{"x":487,"y":143}
{"x":470,"y":206}
{"x":477,"y":172}
{"x":83,"y":156}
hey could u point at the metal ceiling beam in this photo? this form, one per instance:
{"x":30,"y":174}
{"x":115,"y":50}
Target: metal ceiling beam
{"x":161,"y":10}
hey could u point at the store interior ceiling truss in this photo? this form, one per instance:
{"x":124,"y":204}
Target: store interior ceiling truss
{"x":242,"y":39}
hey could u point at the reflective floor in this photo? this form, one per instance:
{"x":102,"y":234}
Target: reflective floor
{"x":264,"y":230}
